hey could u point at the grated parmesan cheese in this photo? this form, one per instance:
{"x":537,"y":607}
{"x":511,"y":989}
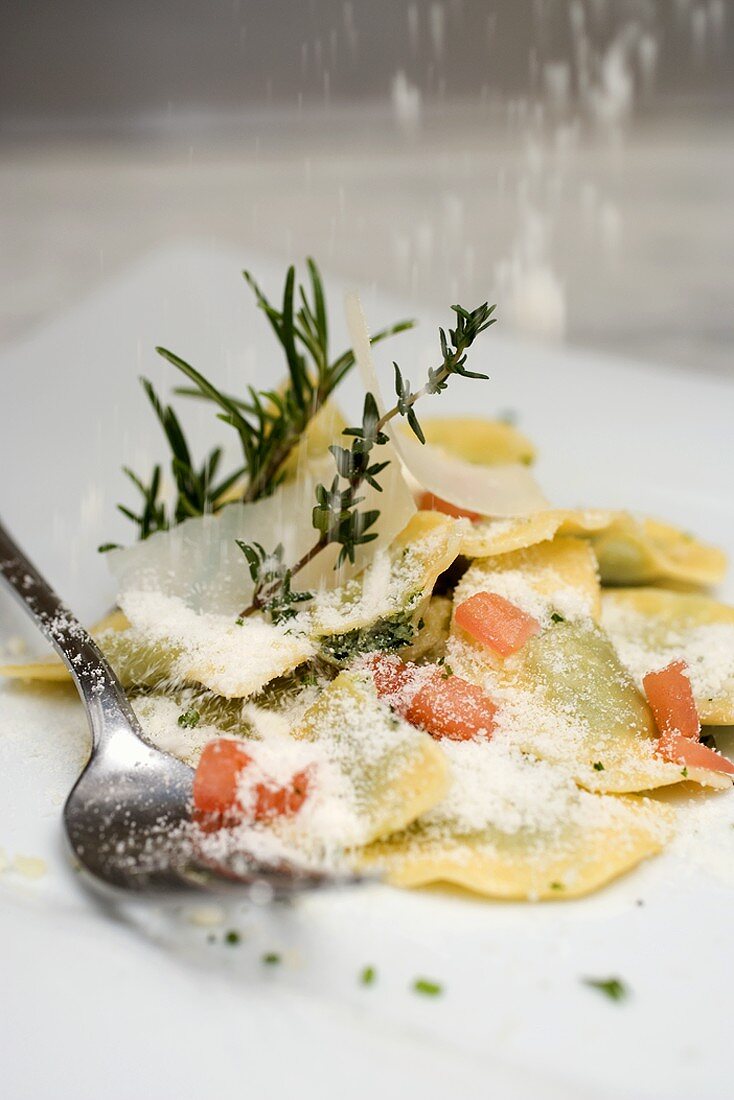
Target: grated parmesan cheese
{"x":519,"y":588}
{"x":707,"y":648}
{"x":230,"y":659}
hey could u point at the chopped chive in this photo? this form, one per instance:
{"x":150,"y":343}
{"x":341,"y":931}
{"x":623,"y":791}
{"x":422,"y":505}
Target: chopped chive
{"x":613,"y":988}
{"x":557,"y":886}
{"x":598,"y":766}
{"x":271,"y":958}
{"x":557,"y":618}
{"x":368,"y":976}
{"x":232,"y":937}
{"x":427,"y":987}
{"x":684,"y":772}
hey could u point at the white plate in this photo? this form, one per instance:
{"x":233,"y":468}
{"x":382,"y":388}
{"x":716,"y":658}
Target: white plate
{"x":107,"y":1003}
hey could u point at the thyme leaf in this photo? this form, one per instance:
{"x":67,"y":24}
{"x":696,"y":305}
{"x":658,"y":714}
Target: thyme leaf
{"x":336,"y":514}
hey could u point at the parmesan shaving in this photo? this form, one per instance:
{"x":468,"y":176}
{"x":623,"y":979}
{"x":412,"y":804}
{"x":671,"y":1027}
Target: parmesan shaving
{"x":199,"y":561}
{"x":502,"y":490}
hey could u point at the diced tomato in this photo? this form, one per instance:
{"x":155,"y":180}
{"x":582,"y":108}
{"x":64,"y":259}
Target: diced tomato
{"x":217,"y":776}
{"x":428,"y":502}
{"x":391,"y":674}
{"x":216,"y":788}
{"x":670,"y":696}
{"x":671,"y":700}
{"x":281,"y":801}
{"x":692,"y":754}
{"x":452,"y":708}
{"x":495,"y":622}
{"x":441,"y":703}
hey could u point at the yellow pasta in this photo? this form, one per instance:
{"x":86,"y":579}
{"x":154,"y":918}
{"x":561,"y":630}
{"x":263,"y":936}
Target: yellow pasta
{"x":487,"y":538}
{"x":397,"y":584}
{"x":396,"y":771}
{"x":651,"y":552}
{"x":53,"y":671}
{"x":650,"y":627}
{"x":582,"y":842}
{"x":566,"y":697}
{"x":537,"y":786}
{"x":479,"y":441}
{"x":559,"y":576}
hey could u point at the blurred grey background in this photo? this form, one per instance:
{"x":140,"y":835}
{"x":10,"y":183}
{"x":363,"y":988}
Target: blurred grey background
{"x":573,"y":159}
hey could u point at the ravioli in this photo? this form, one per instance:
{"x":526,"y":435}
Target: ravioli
{"x":109,"y":632}
{"x":234,"y":659}
{"x":487,"y":538}
{"x":557,"y":578}
{"x":395,"y":587}
{"x":649,"y":627}
{"x":567,"y":698}
{"x":535,"y":835}
{"x":478,"y":441}
{"x":648,"y":551}
{"x":429,"y":643}
{"x":396,"y":771}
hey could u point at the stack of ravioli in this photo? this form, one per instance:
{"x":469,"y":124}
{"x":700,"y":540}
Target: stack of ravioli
{"x":563,"y":791}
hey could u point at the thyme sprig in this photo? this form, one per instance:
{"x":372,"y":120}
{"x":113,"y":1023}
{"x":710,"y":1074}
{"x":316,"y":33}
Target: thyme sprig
{"x":270,"y":423}
{"x":268,"y":570}
{"x":336,"y":514}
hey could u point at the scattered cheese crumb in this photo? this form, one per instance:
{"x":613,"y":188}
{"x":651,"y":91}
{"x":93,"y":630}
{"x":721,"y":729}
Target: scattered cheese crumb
{"x":32,"y":867}
{"x":207,"y":916}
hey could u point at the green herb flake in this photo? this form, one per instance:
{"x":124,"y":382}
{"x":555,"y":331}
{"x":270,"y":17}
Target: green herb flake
{"x":447,"y":672}
{"x":684,"y":772}
{"x":598,"y":766}
{"x":427,"y":988}
{"x":189,"y":718}
{"x":556,"y":617}
{"x":232,"y":937}
{"x":613,"y":988}
{"x":271,"y":958}
{"x":368,"y":976}
{"x":385,"y":636}
{"x":557,"y":886}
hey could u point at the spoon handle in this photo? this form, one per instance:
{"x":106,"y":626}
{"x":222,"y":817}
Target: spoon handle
{"x":96,"y":683}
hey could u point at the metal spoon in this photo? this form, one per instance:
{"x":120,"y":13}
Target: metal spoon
{"x":128,"y":816}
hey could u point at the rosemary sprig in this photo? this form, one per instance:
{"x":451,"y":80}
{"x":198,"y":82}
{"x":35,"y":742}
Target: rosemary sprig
{"x":336,"y":515}
{"x":197,"y":491}
{"x":270,"y":423}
